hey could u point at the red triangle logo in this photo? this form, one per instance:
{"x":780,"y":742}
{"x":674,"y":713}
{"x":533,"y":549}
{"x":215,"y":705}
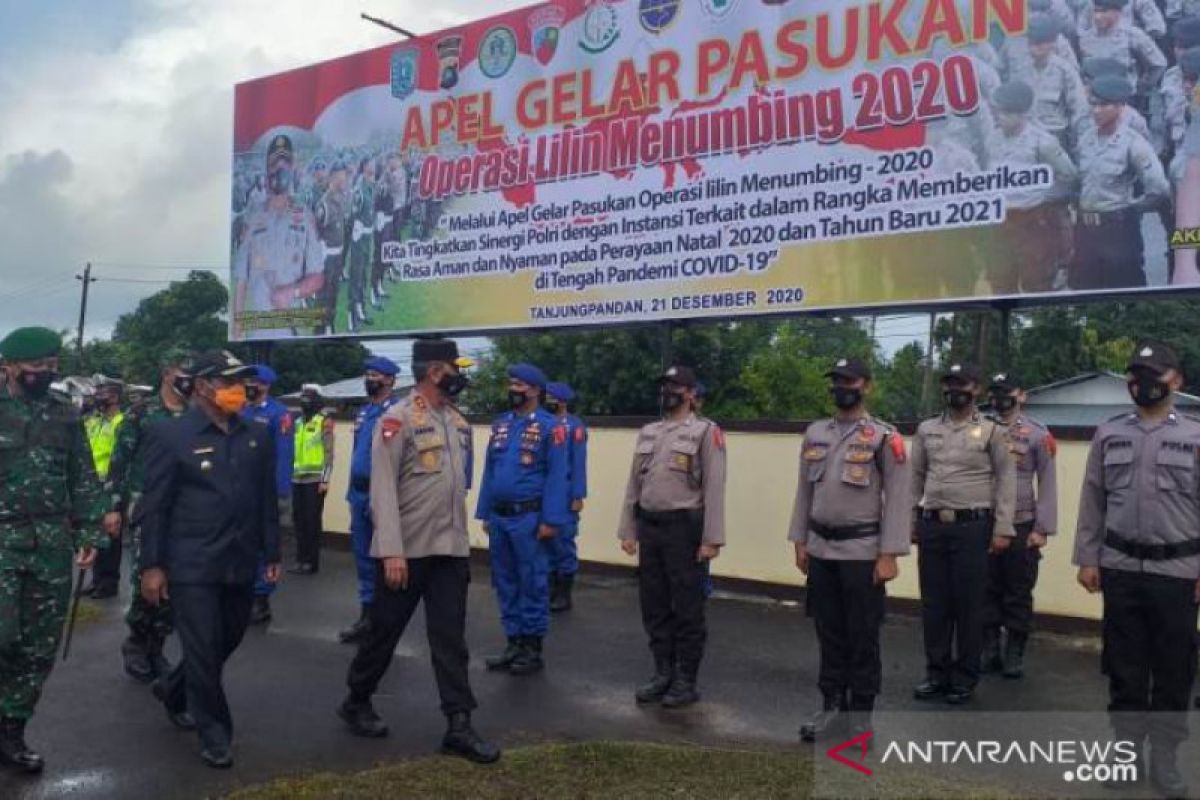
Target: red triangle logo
{"x":862,"y":742}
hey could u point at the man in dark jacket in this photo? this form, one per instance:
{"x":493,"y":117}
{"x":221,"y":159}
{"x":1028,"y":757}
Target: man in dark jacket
{"x":208,"y":514}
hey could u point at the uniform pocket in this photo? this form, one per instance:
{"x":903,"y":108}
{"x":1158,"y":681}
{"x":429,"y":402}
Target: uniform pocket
{"x":1175,"y":470}
{"x":1118,"y":468}
{"x":683,"y":456}
{"x":430,"y":455}
{"x":856,"y":474}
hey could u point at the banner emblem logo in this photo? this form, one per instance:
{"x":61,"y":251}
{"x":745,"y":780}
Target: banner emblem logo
{"x":404,"y":72}
{"x":657,"y":15}
{"x":600,"y":27}
{"x":719,"y":9}
{"x":545,"y":26}
{"x":449,"y":50}
{"x":497,"y":51}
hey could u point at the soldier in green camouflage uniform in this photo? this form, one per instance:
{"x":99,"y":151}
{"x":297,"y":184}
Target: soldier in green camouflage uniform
{"x":51,"y":504}
{"x":149,"y":626}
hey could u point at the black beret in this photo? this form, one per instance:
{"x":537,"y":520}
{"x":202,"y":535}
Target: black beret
{"x":1112,"y":89}
{"x":426,"y":350}
{"x":1015,"y":97}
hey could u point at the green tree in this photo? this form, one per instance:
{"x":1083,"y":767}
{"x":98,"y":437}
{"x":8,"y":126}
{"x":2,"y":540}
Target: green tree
{"x":899,"y":385}
{"x":322,"y":362}
{"x":187,"y":314}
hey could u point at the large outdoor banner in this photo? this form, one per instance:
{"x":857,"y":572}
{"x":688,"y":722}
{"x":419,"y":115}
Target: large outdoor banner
{"x":593,"y":162}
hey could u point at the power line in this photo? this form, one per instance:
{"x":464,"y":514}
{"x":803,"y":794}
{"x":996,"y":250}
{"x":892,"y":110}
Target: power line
{"x":162,"y":267}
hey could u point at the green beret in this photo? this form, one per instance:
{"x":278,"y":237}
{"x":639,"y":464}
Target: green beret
{"x":30,"y":344}
{"x":1013,"y":98}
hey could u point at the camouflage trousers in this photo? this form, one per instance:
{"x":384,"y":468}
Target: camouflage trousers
{"x":146,"y":622}
{"x":35,"y":594}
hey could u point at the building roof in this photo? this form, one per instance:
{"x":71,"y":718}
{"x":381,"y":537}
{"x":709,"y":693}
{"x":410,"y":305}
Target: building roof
{"x":349,"y":390}
{"x":1088,"y":400}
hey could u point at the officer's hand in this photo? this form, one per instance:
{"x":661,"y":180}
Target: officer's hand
{"x":546,"y":532}
{"x":629,"y":546}
{"x":273,"y":573}
{"x":154,"y":586}
{"x":707,"y":552}
{"x":576,"y":506}
{"x":802,"y":558}
{"x":112,"y":524}
{"x":395,"y":573}
{"x":1037,"y":540}
{"x":999,"y":544}
{"x":1089,"y":578}
{"x":85,"y":558}
{"x":885,"y":568}
{"x":323,"y":488}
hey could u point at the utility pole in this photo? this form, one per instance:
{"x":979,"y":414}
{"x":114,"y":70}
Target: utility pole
{"x":927,"y":386}
{"x":383,"y":23}
{"x":87,"y":280}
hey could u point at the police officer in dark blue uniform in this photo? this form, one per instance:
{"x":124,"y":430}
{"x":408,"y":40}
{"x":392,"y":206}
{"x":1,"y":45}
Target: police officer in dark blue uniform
{"x":523,"y":500}
{"x":562,"y":549}
{"x":379,"y":380}
{"x":208,"y":515}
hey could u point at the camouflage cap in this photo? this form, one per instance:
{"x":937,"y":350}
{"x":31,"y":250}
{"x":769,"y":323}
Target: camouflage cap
{"x":30,"y":344}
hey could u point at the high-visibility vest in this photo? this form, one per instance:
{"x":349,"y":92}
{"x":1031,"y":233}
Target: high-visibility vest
{"x":310,"y":447}
{"x":102,"y":437}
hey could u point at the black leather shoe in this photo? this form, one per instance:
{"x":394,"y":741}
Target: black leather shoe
{"x":1164,"y":772}
{"x":135,"y":653}
{"x":504,"y":660}
{"x":362,"y":720}
{"x":1014,"y":656}
{"x":653,"y":690}
{"x":561,"y":600}
{"x":990,"y":660}
{"x":217,"y":757}
{"x":359,"y":630}
{"x":930,"y":690}
{"x":829,"y":721}
{"x":462,"y":740}
{"x":682,"y":693}
{"x":956,"y":696}
{"x":303,"y":569}
{"x":180,"y":718}
{"x":104,"y":591}
{"x":14,"y":753}
{"x":529,"y":658}
{"x":260,"y":613}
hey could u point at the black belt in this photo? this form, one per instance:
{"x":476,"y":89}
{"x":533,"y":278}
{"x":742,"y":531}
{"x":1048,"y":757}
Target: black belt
{"x":1023,"y":528}
{"x":360,"y":484}
{"x":1096,"y":219}
{"x":516,"y":509}
{"x":951,"y":516}
{"x":1151,"y":552}
{"x":670,"y":517}
{"x":843,"y":533}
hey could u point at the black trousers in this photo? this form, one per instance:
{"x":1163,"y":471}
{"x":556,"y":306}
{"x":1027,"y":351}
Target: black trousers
{"x":847,"y":608}
{"x":210,"y":620}
{"x":1012,"y":575}
{"x":1110,"y":253}
{"x":952,"y":564}
{"x":671,"y":586}
{"x":308,"y":508}
{"x":107,"y":570}
{"x":441,"y":581}
{"x":1149,"y":652}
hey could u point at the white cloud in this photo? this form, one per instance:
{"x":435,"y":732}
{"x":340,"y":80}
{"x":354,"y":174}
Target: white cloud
{"x":121,"y":152}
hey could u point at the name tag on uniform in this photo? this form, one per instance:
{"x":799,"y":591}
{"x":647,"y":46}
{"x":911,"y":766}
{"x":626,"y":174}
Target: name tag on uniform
{"x":204,"y":450}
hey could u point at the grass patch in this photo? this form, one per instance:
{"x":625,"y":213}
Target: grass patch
{"x":609,"y":770}
{"x":88,"y":613}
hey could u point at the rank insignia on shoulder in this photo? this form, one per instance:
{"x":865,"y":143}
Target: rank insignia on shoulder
{"x":898,"y":452}
{"x":1051,"y":445}
{"x":285,"y":424}
{"x":579,"y":434}
{"x":718,"y":437}
{"x":391,"y":426}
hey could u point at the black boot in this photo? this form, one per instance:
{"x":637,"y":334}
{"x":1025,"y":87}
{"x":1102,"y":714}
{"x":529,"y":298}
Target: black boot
{"x":653,"y":690}
{"x":1164,"y":773}
{"x":14,"y":753}
{"x":462,"y":740}
{"x":158,"y":662}
{"x":504,"y":660}
{"x":561,"y":600}
{"x":990,"y":660}
{"x":1014,"y":655}
{"x":682,"y":691}
{"x":529,"y":659}
{"x":362,"y":719}
{"x":830,"y":720}
{"x":135,"y":651}
{"x":179,"y":717}
{"x":862,"y":708}
{"x":359,"y":630}
{"x":260,"y":613}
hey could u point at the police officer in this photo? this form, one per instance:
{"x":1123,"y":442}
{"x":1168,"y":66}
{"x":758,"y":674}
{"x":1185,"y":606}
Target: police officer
{"x":1110,"y":36}
{"x":311,"y":473}
{"x":420,"y":475}
{"x":1138,"y":543}
{"x":1185,"y":174}
{"x":379,"y":379}
{"x":1144,"y":15}
{"x":523,"y":501}
{"x":850,"y":521}
{"x":1169,"y":109}
{"x":964,"y":490}
{"x":1093,"y":68}
{"x":209,"y":515}
{"x":362,"y":238}
{"x":149,"y":626}
{"x":103,"y":427}
{"x":263,"y":409}
{"x":1113,"y":163}
{"x":1013,"y":573}
{"x":563,"y":550}
{"x":51,"y":503}
{"x":385,"y":231}
{"x":1044,"y":59}
{"x":1036,"y":222}
{"x":332,"y":213}
{"x":280,"y":263}
{"x":673,"y":520}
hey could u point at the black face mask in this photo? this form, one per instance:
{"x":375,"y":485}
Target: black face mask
{"x":1003,"y":403}
{"x":846,"y":398}
{"x":671,"y":400}
{"x":310,"y":407}
{"x":453,"y":385}
{"x":251,"y":393}
{"x":1147,"y":390}
{"x":36,"y":383}
{"x":372,"y":387}
{"x":957,"y":399}
{"x":552,"y":406}
{"x":517,"y":399}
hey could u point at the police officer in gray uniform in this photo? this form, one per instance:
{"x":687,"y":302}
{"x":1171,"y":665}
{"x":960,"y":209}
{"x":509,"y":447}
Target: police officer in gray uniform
{"x":1138,"y":543}
{"x":1060,"y":101}
{"x":1114,"y":163}
{"x":849,"y":523}
{"x":1111,"y":36}
{"x":964,"y":491}
{"x":332,"y":214}
{"x":1093,"y":68}
{"x":1013,"y":573}
{"x":1169,"y":103}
